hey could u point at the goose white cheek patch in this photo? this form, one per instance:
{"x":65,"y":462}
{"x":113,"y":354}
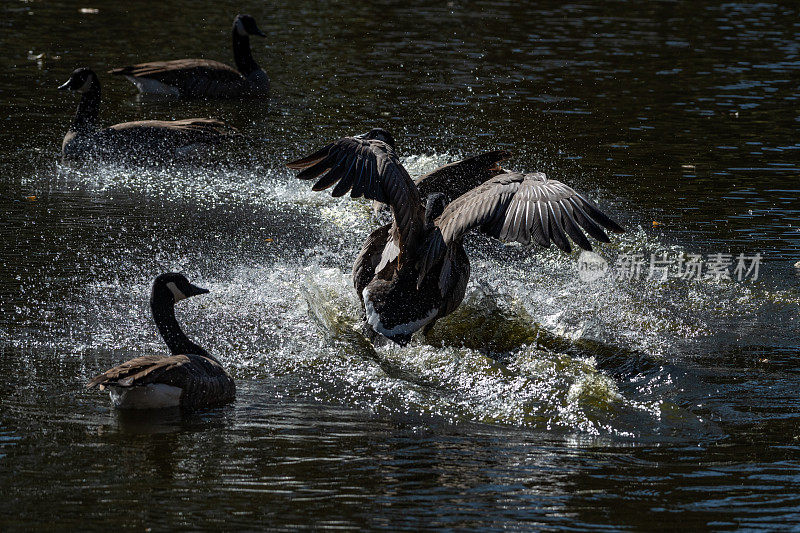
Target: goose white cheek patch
{"x":176,"y":292}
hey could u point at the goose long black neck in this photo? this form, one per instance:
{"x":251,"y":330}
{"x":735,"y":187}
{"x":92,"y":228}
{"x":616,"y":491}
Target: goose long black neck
{"x":164,"y":315}
{"x":85,"y":120}
{"x":434,"y":206}
{"x":241,"y":53}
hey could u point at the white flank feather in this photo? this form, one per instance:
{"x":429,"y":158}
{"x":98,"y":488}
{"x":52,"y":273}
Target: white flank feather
{"x":153,"y":396}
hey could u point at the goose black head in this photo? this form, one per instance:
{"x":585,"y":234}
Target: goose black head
{"x":434,"y":206}
{"x":174,"y":286}
{"x":378,"y":134}
{"x":81,"y":80}
{"x":246,"y":25}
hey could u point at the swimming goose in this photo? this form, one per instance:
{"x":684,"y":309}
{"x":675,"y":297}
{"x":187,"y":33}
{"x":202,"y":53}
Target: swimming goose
{"x":204,"y":78}
{"x":414,"y":271}
{"x":190,"y":378}
{"x":143,"y":139}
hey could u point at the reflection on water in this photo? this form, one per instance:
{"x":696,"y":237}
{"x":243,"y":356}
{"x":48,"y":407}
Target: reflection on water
{"x":545,"y":399}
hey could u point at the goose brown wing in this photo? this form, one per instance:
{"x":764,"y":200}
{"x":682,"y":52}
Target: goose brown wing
{"x":457,"y":178}
{"x":177,"y":71}
{"x":145,"y":370}
{"x":192,"y":129}
{"x":369,"y":258}
{"x":171,"y":370}
{"x":369,"y":169}
{"x":520,"y":208}
{"x":192,"y":77}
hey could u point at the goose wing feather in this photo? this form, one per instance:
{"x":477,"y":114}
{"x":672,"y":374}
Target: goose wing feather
{"x":368,"y":259}
{"x":457,"y":178}
{"x":172,"y":370}
{"x":203,"y":381}
{"x":522,"y":208}
{"x":190,"y":76}
{"x":190,"y":130}
{"x":369,"y":169}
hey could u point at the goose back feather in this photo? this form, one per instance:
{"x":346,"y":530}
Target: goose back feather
{"x":202,"y":381}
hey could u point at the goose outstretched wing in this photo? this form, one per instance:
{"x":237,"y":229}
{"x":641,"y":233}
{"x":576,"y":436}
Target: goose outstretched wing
{"x":457,"y":178}
{"x":369,"y":169}
{"x":522,"y":208}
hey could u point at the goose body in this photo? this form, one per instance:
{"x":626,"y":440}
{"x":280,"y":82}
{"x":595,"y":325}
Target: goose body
{"x":190,"y":378}
{"x":162,"y":140}
{"x":205,"y":78}
{"x":395,"y":303}
{"x":152,"y":396}
{"x":414,"y":271}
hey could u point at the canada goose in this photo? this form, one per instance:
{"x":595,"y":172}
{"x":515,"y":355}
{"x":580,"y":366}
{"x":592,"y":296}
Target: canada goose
{"x":204,"y":78}
{"x":190,"y":378}
{"x":414,"y":270}
{"x":144,"y":139}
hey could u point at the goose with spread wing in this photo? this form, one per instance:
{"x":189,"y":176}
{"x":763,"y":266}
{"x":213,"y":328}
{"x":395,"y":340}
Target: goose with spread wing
{"x":189,"y":378}
{"x":205,"y":78}
{"x":414,"y":270}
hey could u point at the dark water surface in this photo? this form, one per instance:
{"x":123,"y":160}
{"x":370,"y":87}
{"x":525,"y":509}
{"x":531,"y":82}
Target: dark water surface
{"x":544,"y":402}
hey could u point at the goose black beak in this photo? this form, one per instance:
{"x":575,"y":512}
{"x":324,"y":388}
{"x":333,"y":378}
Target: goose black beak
{"x":259,"y":33}
{"x":194,"y":290}
{"x":65,"y":86}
